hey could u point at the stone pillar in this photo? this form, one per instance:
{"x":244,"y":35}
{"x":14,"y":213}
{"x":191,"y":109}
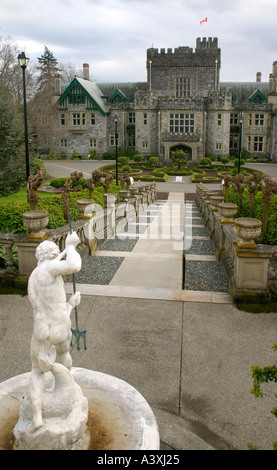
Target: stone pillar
{"x":251,"y":267}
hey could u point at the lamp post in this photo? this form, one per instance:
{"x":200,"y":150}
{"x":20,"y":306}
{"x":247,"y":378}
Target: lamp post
{"x":240,"y":140}
{"x":116,"y":159}
{"x":23,"y":62}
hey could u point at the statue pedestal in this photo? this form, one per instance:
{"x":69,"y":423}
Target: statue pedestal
{"x":119,"y":418}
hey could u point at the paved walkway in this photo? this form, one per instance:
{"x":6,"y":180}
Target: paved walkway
{"x":188,"y":352}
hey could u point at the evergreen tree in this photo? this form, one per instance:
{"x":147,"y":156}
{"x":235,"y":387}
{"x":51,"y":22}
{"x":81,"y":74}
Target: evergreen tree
{"x":44,"y":106}
{"x":12,"y":164}
{"x":48,"y":67}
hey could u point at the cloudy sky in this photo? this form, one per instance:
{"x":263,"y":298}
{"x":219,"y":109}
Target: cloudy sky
{"x":113,"y":35}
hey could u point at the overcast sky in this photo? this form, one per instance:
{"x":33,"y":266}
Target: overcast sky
{"x":113,"y":35}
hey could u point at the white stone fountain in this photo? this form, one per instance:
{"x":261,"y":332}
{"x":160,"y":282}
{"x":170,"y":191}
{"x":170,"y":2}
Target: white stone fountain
{"x":55,"y":406}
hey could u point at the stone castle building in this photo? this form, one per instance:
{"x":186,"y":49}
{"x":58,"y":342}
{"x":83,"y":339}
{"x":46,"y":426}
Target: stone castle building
{"x":183,"y":105}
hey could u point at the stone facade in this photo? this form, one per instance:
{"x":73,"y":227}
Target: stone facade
{"x":183,"y":105}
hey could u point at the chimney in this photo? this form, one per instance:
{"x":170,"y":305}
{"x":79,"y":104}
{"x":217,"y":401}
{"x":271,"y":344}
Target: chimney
{"x":258,"y":77}
{"x":58,"y":84}
{"x":86,"y":71}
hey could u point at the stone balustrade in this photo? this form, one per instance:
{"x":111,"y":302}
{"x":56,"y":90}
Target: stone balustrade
{"x":93,"y":227}
{"x":245,"y":261}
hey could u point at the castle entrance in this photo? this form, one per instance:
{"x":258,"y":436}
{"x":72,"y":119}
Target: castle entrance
{"x":183,"y":147}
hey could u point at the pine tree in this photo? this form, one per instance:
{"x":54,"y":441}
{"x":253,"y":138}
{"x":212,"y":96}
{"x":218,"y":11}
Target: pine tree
{"x":44,"y":106}
{"x":48,"y":67}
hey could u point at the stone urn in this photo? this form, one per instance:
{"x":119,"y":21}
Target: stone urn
{"x":227,"y":210}
{"x":134,"y":191}
{"x":124,"y":194}
{"x":85,"y":207}
{"x":247,"y":229}
{"x":35,"y":222}
{"x":215,"y":201}
{"x":208,"y":195}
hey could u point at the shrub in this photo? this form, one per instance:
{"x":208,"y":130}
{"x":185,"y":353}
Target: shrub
{"x":153,"y":161}
{"x":126,"y":168}
{"x":75,"y":155}
{"x":123,"y":160}
{"x":93,"y":155}
{"x":205,"y":161}
{"x":109,"y":156}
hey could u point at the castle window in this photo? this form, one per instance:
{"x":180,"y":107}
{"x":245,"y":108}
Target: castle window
{"x":145,"y":119}
{"x":249,"y":143}
{"x":132,"y":118}
{"x":258,"y":144}
{"x":76,"y":119}
{"x":92,"y":143}
{"x":234,"y":119}
{"x":182,"y":87}
{"x":259,"y":119}
{"x":145,"y":145}
{"x":181,"y":123}
{"x":112,"y":140}
{"x":250,"y":120}
{"x":92,"y":119}
{"x":63,"y":142}
{"x":62,"y":120}
{"x":76,"y":99}
{"x":83,"y":119}
{"x":219,"y":119}
{"x":218,"y":146}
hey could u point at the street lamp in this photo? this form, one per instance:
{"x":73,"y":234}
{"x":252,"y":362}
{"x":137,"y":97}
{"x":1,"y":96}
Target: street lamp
{"x":23,"y":62}
{"x":116,"y":143}
{"x":240,"y":139}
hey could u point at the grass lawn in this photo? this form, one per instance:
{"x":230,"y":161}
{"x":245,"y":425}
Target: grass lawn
{"x":20,"y":196}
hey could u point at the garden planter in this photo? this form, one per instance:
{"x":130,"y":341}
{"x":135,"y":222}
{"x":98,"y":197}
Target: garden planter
{"x":227,"y":211}
{"x":208,"y":195}
{"x":215,"y":201}
{"x":85,"y":207}
{"x":124,"y":195}
{"x":35,"y":222}
{"x":247,"y":230}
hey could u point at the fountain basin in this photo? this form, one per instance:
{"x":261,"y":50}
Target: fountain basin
{"x":119,"y":416}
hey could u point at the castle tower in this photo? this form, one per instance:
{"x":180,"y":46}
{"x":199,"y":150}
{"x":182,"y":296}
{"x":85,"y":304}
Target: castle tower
{"x":184,"y":73}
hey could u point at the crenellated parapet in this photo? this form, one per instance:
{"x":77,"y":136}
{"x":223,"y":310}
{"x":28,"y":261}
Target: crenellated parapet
{"x":205,"y":54}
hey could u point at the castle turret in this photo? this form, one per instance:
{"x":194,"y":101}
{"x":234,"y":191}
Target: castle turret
{"x":185,"y":73}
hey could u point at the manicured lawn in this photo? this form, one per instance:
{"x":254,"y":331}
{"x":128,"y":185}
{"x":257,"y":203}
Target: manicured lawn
{"x":21,"y":196}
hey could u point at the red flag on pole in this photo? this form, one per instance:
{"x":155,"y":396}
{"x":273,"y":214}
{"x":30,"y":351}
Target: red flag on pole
{"x":204,"y":21}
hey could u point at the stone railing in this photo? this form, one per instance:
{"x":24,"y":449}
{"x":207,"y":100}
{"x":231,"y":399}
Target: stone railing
{"x":245,"y":261}
{"x":93,"y":227}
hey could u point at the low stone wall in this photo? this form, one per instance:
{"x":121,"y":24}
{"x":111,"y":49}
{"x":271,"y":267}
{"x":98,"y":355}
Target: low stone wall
{"x":245,"y":262}
{"x":92,"y":227}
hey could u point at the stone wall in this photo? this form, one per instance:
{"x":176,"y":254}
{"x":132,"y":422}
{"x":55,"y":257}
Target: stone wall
{"x":245,"y":264}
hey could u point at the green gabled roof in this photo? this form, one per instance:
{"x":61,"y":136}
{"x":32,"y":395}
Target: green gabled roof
{"x":257,"y":97}
{"x":118,"y":94}
{"x":243,"y":91}
{"x":88,"y":89}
